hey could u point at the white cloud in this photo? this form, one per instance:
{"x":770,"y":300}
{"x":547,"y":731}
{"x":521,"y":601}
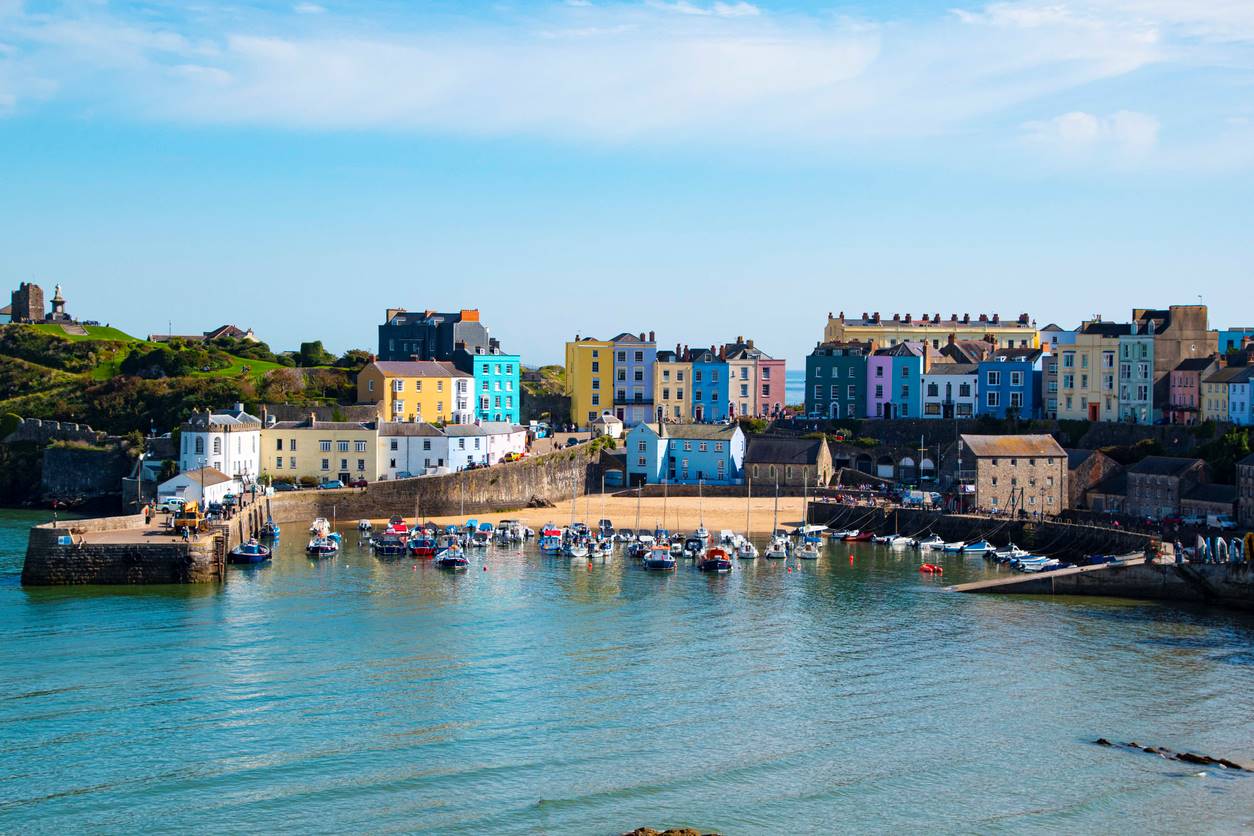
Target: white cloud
{"x":719,"y":9}
{"x":308,"y":9}
{"x":1125,"y":135}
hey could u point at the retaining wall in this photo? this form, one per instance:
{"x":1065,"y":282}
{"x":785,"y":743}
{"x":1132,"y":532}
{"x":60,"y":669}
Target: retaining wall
{"x":1229,"y":585}
{"x":49,"y":563}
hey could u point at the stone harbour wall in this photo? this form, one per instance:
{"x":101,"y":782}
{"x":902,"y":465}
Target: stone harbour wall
{"x":49,"y":562}
{"x":1226,"y":584}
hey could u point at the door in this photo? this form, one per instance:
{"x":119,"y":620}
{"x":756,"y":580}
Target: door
{"x":1095,"y":411}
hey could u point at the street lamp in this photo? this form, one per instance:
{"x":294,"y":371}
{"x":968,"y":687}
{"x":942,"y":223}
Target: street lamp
{"x":139,"y":481}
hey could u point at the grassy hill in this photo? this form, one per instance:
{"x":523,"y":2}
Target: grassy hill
{"x":117,"y":383}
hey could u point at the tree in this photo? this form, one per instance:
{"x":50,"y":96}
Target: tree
{"x":313,"y":354}
{"x":355,"y":359}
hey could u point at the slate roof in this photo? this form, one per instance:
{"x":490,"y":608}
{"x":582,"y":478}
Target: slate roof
{"x":408,"y":429}
{"x":501,"y":427}
{"x":463,"y":430}
{"x":418,"y":368}
{"x":1077,"y":457}
{"x":707,"y":432}
{"x":1107,"y":329}
{"x":1162,"y":466}
{"x":900,"y":350}
{"x":667,"y":356}
{"x":984,"y":446}
{"x":1248,"y":461}
{"x":225,"y":418}
{"x":1195,"y":364}
{"x":944,"y":369}
{"x":1208,"y":492}
{"x":1115,"y":484}
{"x":634,"y":339}
{"x":777,"y":450}
{"x":322,"y":425}
{"x":1230,"y":374}
{"x":1013,"y":355}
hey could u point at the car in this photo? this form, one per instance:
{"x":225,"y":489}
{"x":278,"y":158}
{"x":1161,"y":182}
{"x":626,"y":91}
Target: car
{"x":404,"y":474}
{"x":284,"y":487}
{"x":358,"y":483}
{"x":512,"y":457}
{"x":571,"y":442}
{"x":330,"y":485}
{"x":173,"y":503}
{"x":1191,"y":519}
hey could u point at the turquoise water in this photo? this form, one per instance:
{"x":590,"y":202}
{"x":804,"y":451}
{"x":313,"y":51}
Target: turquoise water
{"x":545,"y":697}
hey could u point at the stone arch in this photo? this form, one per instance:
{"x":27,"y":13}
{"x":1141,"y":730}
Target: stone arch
{"x":906,"y":469}
{"x":884,"y":467}
{"x":865,"y":464}
{"x":927,"y":468}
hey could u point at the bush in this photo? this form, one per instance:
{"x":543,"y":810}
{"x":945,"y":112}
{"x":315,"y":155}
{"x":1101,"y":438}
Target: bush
{"x":50,"y":350}
{"x":309,"y":481}
{"x":313,"y":354}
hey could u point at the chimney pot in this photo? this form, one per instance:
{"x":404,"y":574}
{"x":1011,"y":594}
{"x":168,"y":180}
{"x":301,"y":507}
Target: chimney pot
{"x":652,"y":337}
{"x":641,"y":336}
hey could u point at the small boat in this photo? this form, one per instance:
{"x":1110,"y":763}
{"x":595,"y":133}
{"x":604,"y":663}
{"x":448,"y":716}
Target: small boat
{"x":1043,"y":565}
{"x":694,"y":546}
{"x":270,"y":531}
{"x":388,"y":545}
{"x":624,"y":535}
{"x":953,"y":548}
{"x":839,"y":535}
{"x":858,"y":537}
{"x":701,"y":534}
{"x":978,"y":547}
{"x":931,"y":569}
{"x":480,"y":539}
{"x":449,"y":554}
{"x":745,"y":550}
{"x":365,"y":525}
{"x":808,"y":550}
{"x":320,"y":527}
{"x":931,"y":543}
{"x":715,"y":560}
{"x":900,"y":541}
{"x":727,"y":537}
{"x":677,"y":549}
{"x":422,"y":545}
{"x":778,"y":549}
{"x":323,"y":547}
{"x":250,"y":552}
{"x":397,"y":526}
{"x":1010,"y":552}
{"x":576,"y":549}
{"x":659,"y":559}
{"x":604,"y":549}
{"x":883,"y":539}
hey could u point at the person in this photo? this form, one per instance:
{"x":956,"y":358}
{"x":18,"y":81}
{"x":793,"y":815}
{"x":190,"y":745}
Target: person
{"x":186,"y":535}
{"x":147,"y":514}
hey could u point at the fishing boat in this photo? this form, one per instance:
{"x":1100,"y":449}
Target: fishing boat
{"x":954,"y":547}
{"x":979,"y":547}
{"x":715,"y":560}
{"x":449,"y":554}
{"x":250,"y":552}
{"x":388,"y":545}
{"x":365,"y":525}
{"x":624,"y":535}
{"x":702,"y":533}
{"x":694,"y":546}
{"x":320,"y":527}
{"x":575,"y":548}
{"x":883,"y":539}
{"x":676,"y":548}
{"x":659,"y":559}
{"x":480,"y":539}
{"x":603,"y":550}
{"x":323,"y":547}
{"x":397,"y":526}
{"x":1008,"y":553}
{"x":727,"y":537}
{"x":840,"y":534}
{"x":270,"y":531}
{"x":930,"y":543}
{"x":422,"y":545}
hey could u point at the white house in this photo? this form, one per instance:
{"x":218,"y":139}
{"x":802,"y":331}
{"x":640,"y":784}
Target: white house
{"x":228,"y":441}
{"x":467,"y":444}
{"x":411,"y":447}
{"x":504,"y":437}
{"x":188,"y":486}
{"x":949,"y":390}
{"x":607,"y":424}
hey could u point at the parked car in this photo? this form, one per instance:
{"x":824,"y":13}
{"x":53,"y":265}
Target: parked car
{"x":513,"y":457}
{"x":358,"y":483}
{"x":1191,"y":519}
{"x":1221,"y":521}
{"x":404,"y":474}
{"x":330,"y":485}
{"x":284,"y":487}
{"x":572,"y":441}
{"x":173,"y":504}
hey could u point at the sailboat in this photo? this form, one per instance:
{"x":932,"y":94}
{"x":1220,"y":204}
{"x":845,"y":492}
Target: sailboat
{"x":778,"y":549}
{"x":808,"y":549}
{"x":701,"y":533}
{"x":745,"y":550}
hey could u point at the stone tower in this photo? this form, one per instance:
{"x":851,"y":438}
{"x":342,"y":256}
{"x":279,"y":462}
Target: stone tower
{"x":28,"y":303}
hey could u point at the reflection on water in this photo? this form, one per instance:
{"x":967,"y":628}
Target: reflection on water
{"x":550,"y":695}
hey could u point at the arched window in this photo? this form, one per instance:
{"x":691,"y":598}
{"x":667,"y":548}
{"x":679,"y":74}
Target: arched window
{"x":217,"y":446}
{"x":200,"y":445}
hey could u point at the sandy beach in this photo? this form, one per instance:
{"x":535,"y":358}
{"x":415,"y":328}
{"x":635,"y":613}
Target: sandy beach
{"x":681,"y":513}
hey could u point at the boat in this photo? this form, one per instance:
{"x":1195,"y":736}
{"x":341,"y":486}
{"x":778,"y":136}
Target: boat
{"x":604,"y":549}
{"x":808,"y":550}
{"x":694,"y":546}
{"x":745,"y":550}
{"x":930,"y":543}
{"x":397,"y":526}
{"x":659,"y":559}
{"x":270,"y":531}
{"x":677,"y":548}
{"x":900,"y":541}
{"x":449,"y":554}
{"x":1008,"y":553}
{"x":422,"y":545}
{"x":320,"y":527}
{"x":839,"y":535}
{"x":715,"y":560}
{"x":575,"y":548}
{"x":931,"y":569}
{"x":323,"y":547}
{"x":727,"y":537}
{"x":883,"y":539}
{"x":778,"y":549}
{"x":480,"y":539}
{"x":702,"y":533}
{"x":365,"y":525}
{"x":978,"y":547}
{"x":624,"y":535}
{"x":1042,"y":565}
{"x":954,"y":547}
{"x":250,"y":552}
{"x":858,"y":537}
{"x":388,"y":545}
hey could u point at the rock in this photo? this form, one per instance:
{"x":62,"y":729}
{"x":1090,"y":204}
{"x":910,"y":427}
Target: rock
{"x":1189,"y":757}
{"x":1227,"y":764}
{"x":1101,"y":741}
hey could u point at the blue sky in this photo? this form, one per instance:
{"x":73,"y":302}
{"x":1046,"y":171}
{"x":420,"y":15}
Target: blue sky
{"x":701,"y":169}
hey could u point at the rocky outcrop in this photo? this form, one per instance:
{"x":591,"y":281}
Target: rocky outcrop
{"x":674,"y":831}
{"x":1183,"y":757}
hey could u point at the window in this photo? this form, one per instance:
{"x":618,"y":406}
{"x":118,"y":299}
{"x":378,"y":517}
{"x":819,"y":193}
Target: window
{"x":324,"y":446}
{"x":217,"y":446}
{"x":343,"y":464}
{"x":642,"y":446}
{"x":1068,"y":360}
{"x":641,"y":461}
{"x":905,"y":372}
{"x":702,"y":447}
{"x":639,"y":356}
{"x":835,"y":390}
{"x":994,"y":399}
{"x":851,"y":371}
{"x":278,"y":463}
{"x":696,"y":376}
{"x":395,"y":446}
{"x":278,"y":444}
{"x":398,"y":385}
{"x":905,"y":392}
{"x":1016,"y":399}
{"x":596,"y":367}
{"x":342,"y":446}
{"x":718,"y":447}
{"x":426,"y":444}
{"x":993,"y":378}
{"x":851,"y":391}
{"x":360,"y":446}
{"x":766,"y":390}
{"x":369,"y":385}
{"x":687,"y":447}
{"x":1016,"y":378}
{"x":818,"y":390}
{"x":933,"y":390}
{"x":291,"y":462}
{"x":326,"y":464}
{"x":461,"y":444}
{"x":622,"y":374}
{"x":766,"y":372}
{"x":361,"y":464}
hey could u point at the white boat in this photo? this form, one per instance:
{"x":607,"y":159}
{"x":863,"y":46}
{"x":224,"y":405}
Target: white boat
{"x":808,"y":550}
{"x":954,"y":547}
{"x":838,"y":535}
{"x":575,"y":549}
{"x":883,"y":538}
{"x":933,"y":542}
{"x":1010,"y":552}
{"x":978,"y":547}
{"x":778,"y":548}
{"x":745,"y":550}
{"x":320,"y":527}
{"x":811,"y":530}
{"x":604,"y":549}
{"x":365,"y":525}
{"x":900,"y":541}
{"x":728,"y":537}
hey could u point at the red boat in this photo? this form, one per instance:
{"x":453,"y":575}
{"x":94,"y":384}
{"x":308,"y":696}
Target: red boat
{"x":931,"y":569}
{"x":397,"y":526}
{"x":422,"y":546}
{"x":860,"y":537}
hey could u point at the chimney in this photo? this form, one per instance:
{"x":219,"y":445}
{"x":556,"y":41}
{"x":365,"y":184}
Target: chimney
{"x":750,"y":343}
{"x":953,"y":338}
{"x":652,"y":337}
{"x":722,"y":352}
{"x":966,"y":318}
{"x":908,"y":318}
{"x":864,"y":316}
{"x":936,"y":317}
{"x":924,"y":318}
{"x":373,"y":358}
{"x":641,"y":336}
{"x":239,"y":407}
{"x":842,"y":316}
{"x":679,"y":355}
{"x":740,"y":340}
{"x":896,"y":317}
{"x":983,"y":317}
{"x":876,"y":317}
{"x":578,"y":338}
{"x":1023,"y":319}
{"x":996,"y":318}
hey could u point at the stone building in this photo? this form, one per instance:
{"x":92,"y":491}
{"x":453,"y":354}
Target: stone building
{"x":1085,"y":470}
{"x":27,"y":303}
{"x":1209,"y":498}
{"x":1157,"y":484}
{"x":1018,"y":473}
{"x":1245,"y":491}
{"x":1180,"y":332}
{"x":794,"y":462}
{"x":1109,"y":495}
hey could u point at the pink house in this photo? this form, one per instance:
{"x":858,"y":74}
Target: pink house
{"x":760,"y":375}
{"x":1185,"y":386}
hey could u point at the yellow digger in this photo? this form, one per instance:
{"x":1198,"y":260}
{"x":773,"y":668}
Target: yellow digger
{"x":188,"y":518}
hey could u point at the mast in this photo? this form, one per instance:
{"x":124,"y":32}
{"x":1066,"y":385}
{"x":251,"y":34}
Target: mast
{"x":805,"y":500}
{"x":700,"y":505}
{"x":748,"y":502}
{"x":639,"y":493}
{"x":775,"y":519}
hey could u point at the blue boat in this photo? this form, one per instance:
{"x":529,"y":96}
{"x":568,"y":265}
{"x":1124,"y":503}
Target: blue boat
{"x":450,"y":555}
{"x":388,"y":545}
{"x":250,"y":552}
{"x":323,"y":547}
{"x":660,"y":559}
{"x":270,"y":530}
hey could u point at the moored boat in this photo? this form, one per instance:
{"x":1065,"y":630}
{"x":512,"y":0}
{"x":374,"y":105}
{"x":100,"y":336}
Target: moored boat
{"x":979,"y":547}
{"x":659,"y":559}
{"x":422,"y":545}
{"x":778,"y":549}
{"x":930,"y":543}
{"x":858,"y":537}
{"x":250,"y":552}
{"x":745,"y":550}
{"x":953,"y":548}
{"x":715,"y":560}
{"x":322,"y":547}
{"x":270,"y":530}
{"x":388,"y":545}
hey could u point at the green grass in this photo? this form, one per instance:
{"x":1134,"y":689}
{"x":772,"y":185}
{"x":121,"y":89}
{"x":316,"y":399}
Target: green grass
{"x":257,"y":369}
{"x":94,"y":332}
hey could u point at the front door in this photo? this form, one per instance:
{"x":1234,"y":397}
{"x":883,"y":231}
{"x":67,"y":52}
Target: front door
{"x":1095,"y":411}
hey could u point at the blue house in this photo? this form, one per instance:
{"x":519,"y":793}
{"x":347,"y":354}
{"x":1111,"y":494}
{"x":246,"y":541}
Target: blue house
{"x":895,"y":382}
{"x":685,"y":454}
{"x":710,"y":392}
{"x":1010,"y":383}
{"x":1230,"y":339}
{"x":497,"y":395}
{"x":634,"y":361}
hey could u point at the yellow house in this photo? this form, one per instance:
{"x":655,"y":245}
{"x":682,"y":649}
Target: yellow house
{"x":433,"y":391}
{"x":1214,"y":396}
{"x":671,"y":395}
{"x":1088,"y":372}
{"x":589,"y":378}
{"x":931,"y":329}
{"x":322,"y":450}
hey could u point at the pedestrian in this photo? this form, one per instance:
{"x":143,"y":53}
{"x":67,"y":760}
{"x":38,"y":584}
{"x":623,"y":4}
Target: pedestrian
{"x":147,"y":514}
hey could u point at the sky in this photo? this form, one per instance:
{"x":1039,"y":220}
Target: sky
{"x":704,"y":169}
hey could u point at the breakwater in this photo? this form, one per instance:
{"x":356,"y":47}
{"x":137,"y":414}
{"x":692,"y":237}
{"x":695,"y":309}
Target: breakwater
{"x":1043,"y":537}
{"x":118,"y":550}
